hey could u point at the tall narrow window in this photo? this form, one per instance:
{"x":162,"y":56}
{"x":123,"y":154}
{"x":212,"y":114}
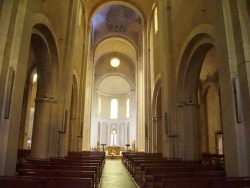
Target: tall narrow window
{"x":127,"y":109}
{"x":114,"y":109}
{"x":35,"y":78}
{"x":156,"y":19}
{"x":80,"y":15}
{"x":99,"y":106}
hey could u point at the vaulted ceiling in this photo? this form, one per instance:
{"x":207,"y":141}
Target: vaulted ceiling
{"x":116,"y":31}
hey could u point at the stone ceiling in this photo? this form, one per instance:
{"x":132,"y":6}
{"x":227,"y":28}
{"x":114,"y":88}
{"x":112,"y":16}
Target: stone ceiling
{"x":110,"y":23}
{"x":116,"y":20}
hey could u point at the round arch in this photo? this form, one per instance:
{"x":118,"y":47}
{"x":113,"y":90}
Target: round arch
{"x":44,"y":58}
{"x":118,"y":44}
{"x":188,"y":83}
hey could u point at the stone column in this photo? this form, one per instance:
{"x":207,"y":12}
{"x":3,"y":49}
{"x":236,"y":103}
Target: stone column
{"x":243,"y":62}
{"x":40,"y":136}
{"x":73,"y":134}
{"x":108,"y":134}
{"x":88,"y":104}
{"x":118,"y":135}
{"x":126,"y":134}
{"x":164,"y":18}
{"x":12,"y":30}
{"x":154,"y":135}
{"x":191,"y":132}
{"x":228,"y":39}
{"x":158,"y":140}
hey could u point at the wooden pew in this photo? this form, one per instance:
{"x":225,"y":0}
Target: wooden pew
{"x":59,"y":173}
{"x":58,"y":164}
{"x":229,"y":182}
{"x":64,"y":164}
{"x":80,"y":165}
{"x":167,"y":163}
{"x":20,"y":182}
{"x":23,"y":155}
{"x":67,"y":182}
{"x":136,"y":165}
{"x":145,"y":156}
{"x":157,"y":178}
{"x":49,"y":168}
{"x":44,"y":182}
{"x":212,"y":159}
{"x":128,"y":156}
{"x":87,"y":155}
{"x":83,"y":160}
{"x":150,"y":171}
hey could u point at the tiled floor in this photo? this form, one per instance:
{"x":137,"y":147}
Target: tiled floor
{"x":115,"y":175}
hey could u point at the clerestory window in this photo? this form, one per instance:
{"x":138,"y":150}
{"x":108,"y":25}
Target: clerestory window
{"x":114,"y":109}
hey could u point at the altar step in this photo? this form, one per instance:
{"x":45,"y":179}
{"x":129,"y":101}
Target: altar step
{"x":113,"y":157}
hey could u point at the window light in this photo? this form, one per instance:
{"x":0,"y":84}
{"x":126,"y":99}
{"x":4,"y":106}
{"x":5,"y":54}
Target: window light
{"x":114,"y":109}
{"x":35,"y":78}
{"x":115,"y":62}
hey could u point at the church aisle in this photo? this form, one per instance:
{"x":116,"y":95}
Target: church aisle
{"x":115,"y":175}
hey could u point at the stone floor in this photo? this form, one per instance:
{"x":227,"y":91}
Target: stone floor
{"x":115,"y":175}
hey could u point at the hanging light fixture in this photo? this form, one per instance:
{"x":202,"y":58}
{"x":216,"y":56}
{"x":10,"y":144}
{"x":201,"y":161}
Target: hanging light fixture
{"x":115,"y":62}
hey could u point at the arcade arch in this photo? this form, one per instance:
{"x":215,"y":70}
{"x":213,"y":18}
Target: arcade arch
{"x":42,"y":61}
{"x":198,"y":99}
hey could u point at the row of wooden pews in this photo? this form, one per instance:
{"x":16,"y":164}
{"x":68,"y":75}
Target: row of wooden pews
{"x":78,"y":169}
{"x":43,"y":182}
{"x":153,"y":170}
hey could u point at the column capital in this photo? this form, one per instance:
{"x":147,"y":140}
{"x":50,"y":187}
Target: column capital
{"x":45,"y":99}
{"x":72,"y":117}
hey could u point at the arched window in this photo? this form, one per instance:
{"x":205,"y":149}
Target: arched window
{"x":35,"y":78}
{"x":99,"y":106}
{"x":114,"y":109}
{"x":156,"y":19}
{"x":127,"y":109}
{"x":80,"y":14}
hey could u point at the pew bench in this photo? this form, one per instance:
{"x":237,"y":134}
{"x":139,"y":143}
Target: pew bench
{"x":20,"y":182}
{"x":44,"y":182}
{"x":150,"y":171}
{"x":58,"y":166}
{"x":157,"y":178}
{"x":66,"y":182}
{"x":228,"y":182}
{"x":139,"y":165}
{"x":59,"y":173}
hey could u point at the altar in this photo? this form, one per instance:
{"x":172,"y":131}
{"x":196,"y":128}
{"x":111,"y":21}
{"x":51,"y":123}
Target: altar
{"x":113,"y":149}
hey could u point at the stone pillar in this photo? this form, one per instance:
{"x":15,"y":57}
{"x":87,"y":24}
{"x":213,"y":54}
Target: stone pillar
{"x":118,"y":134}
{"x":108,"y":133}
{"x":73,"y":134}
{"x":164,"y":16}
{"x":158,"y":135}
{"x":228,"y":38}
{"x":191,"y":132}
{"x":154,"y":135}
{"x":10,"y":56}
{"x":88,"y":104}
{"x":243,"y":59}
{"x":79,"y":137}
{"x":126,"y":134}
{"x":40,"y":136}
